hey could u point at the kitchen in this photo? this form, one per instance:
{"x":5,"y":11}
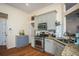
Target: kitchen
{"x":51,"y":30}
{"x":50,"y":33}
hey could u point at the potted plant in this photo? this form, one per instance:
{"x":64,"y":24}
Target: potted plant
{"x":21,"y":32}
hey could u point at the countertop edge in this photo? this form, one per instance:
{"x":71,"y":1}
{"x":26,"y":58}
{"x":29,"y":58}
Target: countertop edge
{"x":57,"y":40}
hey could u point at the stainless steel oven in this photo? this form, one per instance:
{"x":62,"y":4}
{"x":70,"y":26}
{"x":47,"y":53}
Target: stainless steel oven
{"x":39,"y":43}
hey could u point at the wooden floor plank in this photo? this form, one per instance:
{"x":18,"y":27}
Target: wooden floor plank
{"x":24,"y":51}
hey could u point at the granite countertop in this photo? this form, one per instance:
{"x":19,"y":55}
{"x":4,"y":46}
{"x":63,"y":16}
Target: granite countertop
{"x":55,"y":39}
{"x":71,"y":50}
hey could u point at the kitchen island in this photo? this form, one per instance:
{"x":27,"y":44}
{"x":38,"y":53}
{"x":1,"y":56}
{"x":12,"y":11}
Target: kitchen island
{"x":54,"y":46}
{"x":60,"y":48}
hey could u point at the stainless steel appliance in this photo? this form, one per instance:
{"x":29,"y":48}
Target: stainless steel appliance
{"x":42,"y":26}
{"x":39,"y":43}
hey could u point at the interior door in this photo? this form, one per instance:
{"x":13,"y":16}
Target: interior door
{"x":2,"y":31}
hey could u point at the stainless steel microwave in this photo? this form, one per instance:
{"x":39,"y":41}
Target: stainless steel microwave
{"x":42,"y":26}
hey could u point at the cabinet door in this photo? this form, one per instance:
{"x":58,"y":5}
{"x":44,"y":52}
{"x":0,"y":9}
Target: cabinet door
{"x":49,"y":46}
{"x":22,"y":41}
{"x":59,"y":51}
{"x":59,"y":48}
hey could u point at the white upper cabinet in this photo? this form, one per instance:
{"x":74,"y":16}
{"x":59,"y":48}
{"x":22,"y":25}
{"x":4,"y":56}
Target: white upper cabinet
{"x":48,"y":18}
{"x":71,"y":7}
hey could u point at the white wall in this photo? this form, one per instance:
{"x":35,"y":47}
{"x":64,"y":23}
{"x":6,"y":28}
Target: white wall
{"x":59,"y":9}
{"x":17,"y":20}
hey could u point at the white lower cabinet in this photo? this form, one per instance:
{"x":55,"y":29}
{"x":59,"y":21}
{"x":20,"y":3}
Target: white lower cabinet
{"x":59,"y":48}
{"x":49,"y":46}
{"x":53,"y":47}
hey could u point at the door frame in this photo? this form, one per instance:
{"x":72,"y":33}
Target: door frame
{"x":5,"y":31}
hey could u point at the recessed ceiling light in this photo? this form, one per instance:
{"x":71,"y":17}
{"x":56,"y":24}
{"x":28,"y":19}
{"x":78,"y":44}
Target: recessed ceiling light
{"x":27,"y":4}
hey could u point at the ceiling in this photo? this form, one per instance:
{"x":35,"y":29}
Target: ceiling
{"x":31,"y":7}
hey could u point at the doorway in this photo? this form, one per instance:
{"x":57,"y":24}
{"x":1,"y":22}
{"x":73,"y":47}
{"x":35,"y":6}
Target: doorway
{"x":3,"y":36}
{"x":3,"y":30}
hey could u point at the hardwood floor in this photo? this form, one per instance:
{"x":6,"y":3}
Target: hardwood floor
{"x":24,"y":51}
